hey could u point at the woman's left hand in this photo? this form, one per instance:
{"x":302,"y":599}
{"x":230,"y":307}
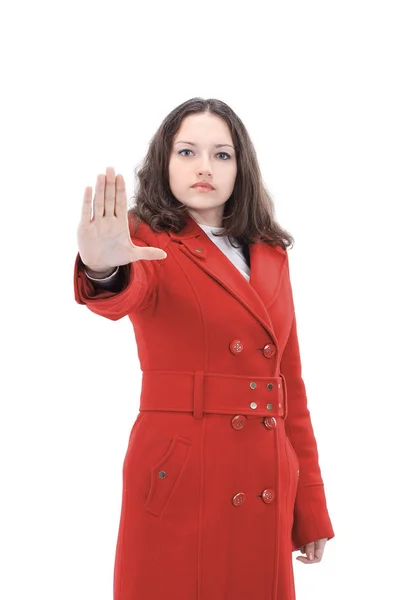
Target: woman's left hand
{"x":313,"y":550}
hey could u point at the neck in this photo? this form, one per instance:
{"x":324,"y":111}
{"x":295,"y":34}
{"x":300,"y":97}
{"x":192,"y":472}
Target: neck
{"x":209,"y":221}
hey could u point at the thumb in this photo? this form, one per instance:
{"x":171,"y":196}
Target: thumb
{"x":148,"y":253}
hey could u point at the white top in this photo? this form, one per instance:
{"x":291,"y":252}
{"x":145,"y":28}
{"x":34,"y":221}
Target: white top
{"x":235,"y":255}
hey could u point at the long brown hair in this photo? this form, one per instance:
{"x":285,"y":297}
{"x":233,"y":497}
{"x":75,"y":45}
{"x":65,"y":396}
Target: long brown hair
{"x":249,"y":214}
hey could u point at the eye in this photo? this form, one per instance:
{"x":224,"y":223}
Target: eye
{"x":187,"y":150}
{"x":184,"y":151}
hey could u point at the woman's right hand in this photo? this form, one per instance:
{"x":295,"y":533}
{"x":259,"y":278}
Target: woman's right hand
{"x":104,"y":242}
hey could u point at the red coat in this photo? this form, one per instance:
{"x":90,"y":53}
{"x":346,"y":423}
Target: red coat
{"x":221,"y":480}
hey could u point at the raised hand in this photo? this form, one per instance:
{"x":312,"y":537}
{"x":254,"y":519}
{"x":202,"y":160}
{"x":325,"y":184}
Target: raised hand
{"x":104,"y":241}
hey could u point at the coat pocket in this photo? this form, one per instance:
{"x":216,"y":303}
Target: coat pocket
{"x":165,"y":475}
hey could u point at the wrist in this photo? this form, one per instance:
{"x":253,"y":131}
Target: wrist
{"x":101,"y":276}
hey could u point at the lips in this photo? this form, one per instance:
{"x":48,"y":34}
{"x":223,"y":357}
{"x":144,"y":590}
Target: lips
{"x":206,"y":186}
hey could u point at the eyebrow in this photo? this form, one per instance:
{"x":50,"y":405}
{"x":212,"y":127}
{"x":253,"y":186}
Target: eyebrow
{"x":192,"y":144}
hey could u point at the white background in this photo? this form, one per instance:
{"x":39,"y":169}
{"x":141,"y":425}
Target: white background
{"x":85,"y":85}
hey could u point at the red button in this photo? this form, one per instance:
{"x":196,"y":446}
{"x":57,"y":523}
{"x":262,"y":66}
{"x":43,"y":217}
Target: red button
{"x":236,"y":346}
{"x":270,"y":422}
{"x":269,"y":350}
{"x":238,"y":499}
{"x":268,"y":495}
{"x":238,"y":422}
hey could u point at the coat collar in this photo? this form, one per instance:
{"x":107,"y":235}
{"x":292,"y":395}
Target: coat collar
{"x":266,"y":264}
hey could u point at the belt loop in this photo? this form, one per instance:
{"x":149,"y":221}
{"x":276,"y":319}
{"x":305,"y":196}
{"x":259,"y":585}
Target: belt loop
{"x":198,"y":394}
{"x":284,"y":393}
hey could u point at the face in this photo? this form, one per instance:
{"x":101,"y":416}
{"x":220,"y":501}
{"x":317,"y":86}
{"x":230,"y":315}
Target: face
{"x":202,"y":151}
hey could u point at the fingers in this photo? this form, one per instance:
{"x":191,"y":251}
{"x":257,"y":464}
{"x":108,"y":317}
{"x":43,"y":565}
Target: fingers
{"x":310,"y":550}
{"x":98,"y":202}
{"x":319,"y":548}
{"x":314,"y":552}
{"x":86,"y":214}
{"x":109,"y":199}
{"x":109,"y":203}
{"x":120,"y":198}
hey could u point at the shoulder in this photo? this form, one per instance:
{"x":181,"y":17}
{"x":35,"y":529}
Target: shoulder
{"x":282,"y":252}
{"x":276,"y":252}
{"x":278,"y":260}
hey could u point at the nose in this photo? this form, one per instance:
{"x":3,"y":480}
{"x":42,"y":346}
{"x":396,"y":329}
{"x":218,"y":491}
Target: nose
{"x":202,"y":172}
{"x":204,"y":166}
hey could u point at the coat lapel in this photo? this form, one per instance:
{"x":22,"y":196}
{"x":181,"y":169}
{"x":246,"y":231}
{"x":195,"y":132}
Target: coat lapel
{"x":265,"y":270}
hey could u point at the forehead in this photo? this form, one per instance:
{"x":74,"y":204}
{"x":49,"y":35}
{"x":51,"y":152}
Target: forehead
{"x":204,"y":127}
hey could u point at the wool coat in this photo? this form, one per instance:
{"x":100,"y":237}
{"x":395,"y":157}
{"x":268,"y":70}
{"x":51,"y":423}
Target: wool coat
{"x":221,"y":479}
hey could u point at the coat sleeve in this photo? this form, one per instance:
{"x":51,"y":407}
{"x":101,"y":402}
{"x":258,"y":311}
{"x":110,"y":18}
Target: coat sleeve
{"x":138,"y":291}
{"x":311,"y":517}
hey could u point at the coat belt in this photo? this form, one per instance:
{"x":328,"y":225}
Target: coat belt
{"x":218,"y":393}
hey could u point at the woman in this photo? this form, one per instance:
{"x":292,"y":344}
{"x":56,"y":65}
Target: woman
{"x":221,"y":480}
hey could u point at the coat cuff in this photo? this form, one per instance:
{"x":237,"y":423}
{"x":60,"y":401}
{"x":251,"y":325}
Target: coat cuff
{"x":110,"y":304}
{"x":311,"y":517}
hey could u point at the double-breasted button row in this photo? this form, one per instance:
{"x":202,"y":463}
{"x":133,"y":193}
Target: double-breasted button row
{"x":270,"y":422}
{"x":267,"y":496}
{"x":239,"y":421}
{"x":238,"y":499}
{"x":237,"y":346}
{"x":269,"y":350}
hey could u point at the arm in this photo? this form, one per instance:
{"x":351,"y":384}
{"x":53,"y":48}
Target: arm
{"x":311,"y":517}
{"x":135,"y":287}
{"x":113,"y":279}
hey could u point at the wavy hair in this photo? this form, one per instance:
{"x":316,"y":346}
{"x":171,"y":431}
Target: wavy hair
{"x":249,"y":214}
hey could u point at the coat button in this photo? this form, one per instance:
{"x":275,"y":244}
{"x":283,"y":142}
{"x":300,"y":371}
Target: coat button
{"x":270,"y":422}
{"x":236,"y":346}
{"x":238,"y":422}
{"x":268,"y":495}
{"x":238,"y":499}
{"x":269,"y":350}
